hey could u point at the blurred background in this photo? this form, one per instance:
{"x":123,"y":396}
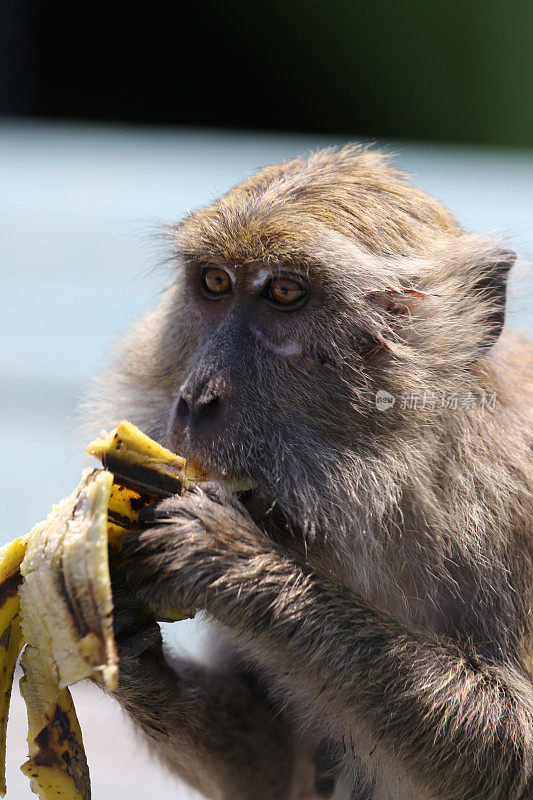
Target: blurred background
{"x":447,"y":71}
{"x":114,"y":119}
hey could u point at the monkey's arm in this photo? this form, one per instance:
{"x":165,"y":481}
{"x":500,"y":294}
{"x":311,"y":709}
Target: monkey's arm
{"x":460,"y":727}
{"x":213,"y":729}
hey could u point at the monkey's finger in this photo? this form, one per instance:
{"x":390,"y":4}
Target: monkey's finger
{"x":127,"y":609}
{"x":163,"y":510}
{"x":217,"y":493}
{"x":146,"y":637}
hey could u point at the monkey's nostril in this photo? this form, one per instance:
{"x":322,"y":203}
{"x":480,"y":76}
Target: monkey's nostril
{"x":192,"y":410}
{"x":208,"y":408}
{"x":182,"y":408}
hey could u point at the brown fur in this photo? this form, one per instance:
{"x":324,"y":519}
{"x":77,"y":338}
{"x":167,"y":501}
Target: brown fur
{"x":377,"y":591}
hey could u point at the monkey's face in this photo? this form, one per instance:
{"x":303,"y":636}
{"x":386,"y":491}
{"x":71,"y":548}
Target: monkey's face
{"x":272,"y":367}
{"x":262,"y":396}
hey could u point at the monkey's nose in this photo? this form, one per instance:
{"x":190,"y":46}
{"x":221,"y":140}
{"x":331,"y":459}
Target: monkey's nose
{"x":197,"y":405}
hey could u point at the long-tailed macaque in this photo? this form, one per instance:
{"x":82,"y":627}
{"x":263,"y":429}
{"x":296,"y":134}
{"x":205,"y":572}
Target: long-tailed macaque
{"x":332,"y":341}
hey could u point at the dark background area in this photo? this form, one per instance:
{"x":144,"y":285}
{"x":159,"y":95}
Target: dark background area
{"x":459,"y":70}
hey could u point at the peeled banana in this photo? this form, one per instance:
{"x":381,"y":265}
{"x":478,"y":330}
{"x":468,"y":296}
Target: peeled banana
{"x":56,"y":602}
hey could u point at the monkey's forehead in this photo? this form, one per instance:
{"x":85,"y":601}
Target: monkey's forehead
{"x":276,"y":228}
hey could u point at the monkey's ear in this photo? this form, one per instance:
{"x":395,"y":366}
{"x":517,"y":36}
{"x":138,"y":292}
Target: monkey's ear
{"x":395,"y":299}
{"x":491,"y":289}
{"x":394,"y":306}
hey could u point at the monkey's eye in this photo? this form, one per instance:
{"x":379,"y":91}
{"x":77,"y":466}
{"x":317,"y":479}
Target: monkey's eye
{"x":215,"y":282}
{"x":285,"y":292}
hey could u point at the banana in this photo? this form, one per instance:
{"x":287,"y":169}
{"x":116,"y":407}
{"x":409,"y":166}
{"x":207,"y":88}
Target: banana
{"x":55,"y":598}
{"x":66,"y":609}
{"x":144,"y":471}
{"x":57,"y":767}
{"x":140,"y":463}
{"x":65,"y":596}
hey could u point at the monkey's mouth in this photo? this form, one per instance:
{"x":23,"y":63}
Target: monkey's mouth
{"x":259,"y":503}
{"x":199,"y":471}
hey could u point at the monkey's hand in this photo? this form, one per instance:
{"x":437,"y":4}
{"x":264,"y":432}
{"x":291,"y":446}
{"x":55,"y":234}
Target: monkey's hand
{"x":194,"y":549}
{"x":136,"y":636}
{"x":215,"y":730}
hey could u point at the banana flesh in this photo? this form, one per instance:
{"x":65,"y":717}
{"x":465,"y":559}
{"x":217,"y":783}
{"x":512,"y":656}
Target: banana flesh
{"x":65,"y":597}
{"x":55,"y":597}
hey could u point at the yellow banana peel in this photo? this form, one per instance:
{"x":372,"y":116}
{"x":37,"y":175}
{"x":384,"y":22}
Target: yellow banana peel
{"x":56,"y":602}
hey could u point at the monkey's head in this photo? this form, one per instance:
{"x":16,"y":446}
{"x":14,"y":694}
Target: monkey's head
{"x":298,"y":296}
